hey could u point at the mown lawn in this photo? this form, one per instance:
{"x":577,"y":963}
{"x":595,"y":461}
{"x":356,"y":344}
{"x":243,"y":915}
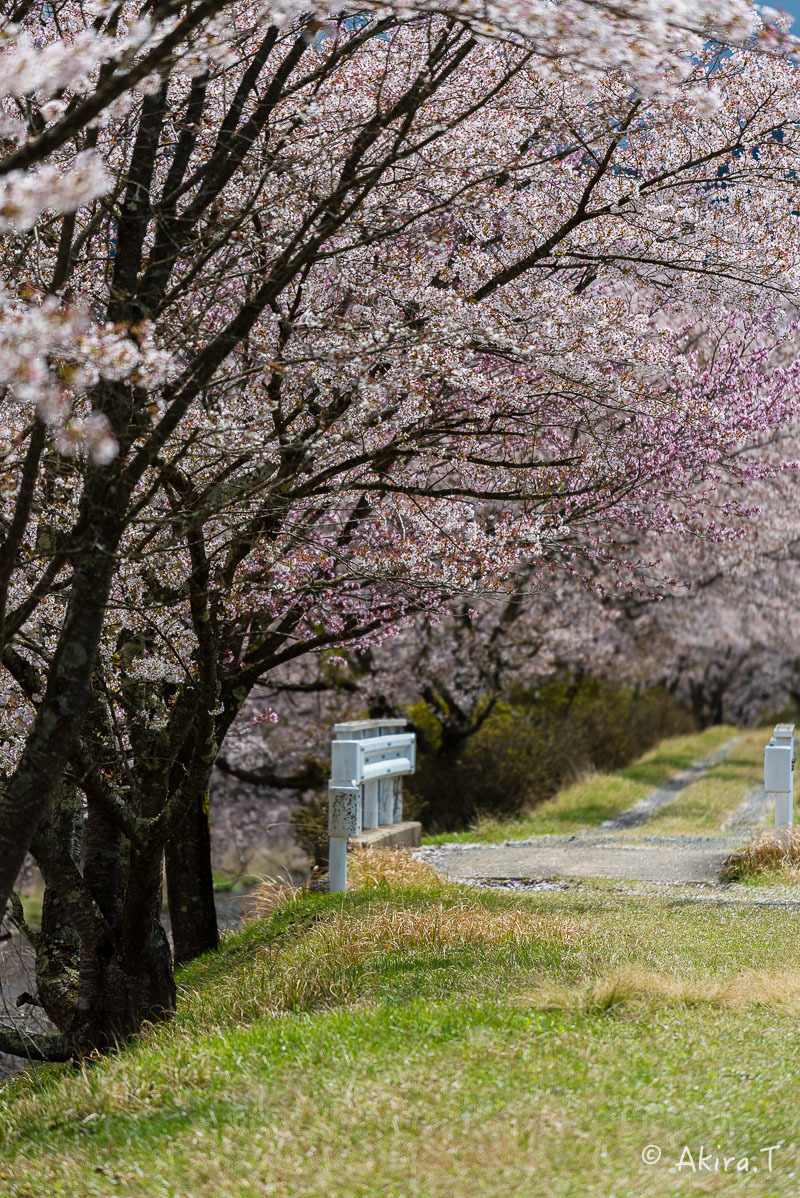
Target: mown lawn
{"x":420,"y":1039}
{"x":598,"y":797}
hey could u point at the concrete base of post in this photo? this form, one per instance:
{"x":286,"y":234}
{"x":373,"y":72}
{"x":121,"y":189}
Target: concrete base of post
{"x":337,"y":864}
{"x":405,"y":835}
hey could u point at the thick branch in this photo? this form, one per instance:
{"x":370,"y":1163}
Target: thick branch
{"x":22,"y":514}
{"x":308,"y":776}
{"x":61,"y":872}
{"x":35,"y":1047}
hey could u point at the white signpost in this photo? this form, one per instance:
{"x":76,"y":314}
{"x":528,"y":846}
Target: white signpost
{"x":368,"y":761}
{"x":779,"y":773}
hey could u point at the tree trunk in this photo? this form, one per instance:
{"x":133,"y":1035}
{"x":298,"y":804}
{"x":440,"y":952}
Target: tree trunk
{"x":101,"y":975}
{"x":190,"y":886}
{"x":134,"y":992}
{"x":61,"y":712}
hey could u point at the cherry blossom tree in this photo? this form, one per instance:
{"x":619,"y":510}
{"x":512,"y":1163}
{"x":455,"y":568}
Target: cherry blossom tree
{"x":393,"y":305}
{"x":725,"y":638}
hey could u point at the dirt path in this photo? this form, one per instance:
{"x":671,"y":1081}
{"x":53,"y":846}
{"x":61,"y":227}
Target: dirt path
{"x":602,"y":853}
{"x":646,"y":808}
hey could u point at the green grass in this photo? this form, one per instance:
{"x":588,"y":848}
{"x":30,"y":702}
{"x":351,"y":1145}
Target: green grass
{"x":701,"y":808}
{"x":599,"y":796}
{"x":432,"y":1040}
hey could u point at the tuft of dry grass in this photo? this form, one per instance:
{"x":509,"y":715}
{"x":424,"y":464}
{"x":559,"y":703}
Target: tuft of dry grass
{"x":367,"y":868}
{"x":771,"y":853}
{"x":636,"y":989}
{"x":268,"y":896}
{"x":460,"y":926}
{"x":371,"y":867}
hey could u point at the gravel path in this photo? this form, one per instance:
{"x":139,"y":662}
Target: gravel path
{"x":663,"y":860}
{"x":601,"y":853}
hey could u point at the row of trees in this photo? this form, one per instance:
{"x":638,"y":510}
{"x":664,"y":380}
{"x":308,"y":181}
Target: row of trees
{"x":721,"y":638}
{"x":335,"y":317}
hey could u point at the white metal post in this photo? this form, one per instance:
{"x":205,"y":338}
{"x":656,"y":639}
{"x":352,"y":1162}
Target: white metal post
{"x":344,"y":821}
{"x":337,"y":864}
{"x":779,"y":773}
{"x":386,"y":792}
{"x":386,"y":801}
{"x":371,"y":804}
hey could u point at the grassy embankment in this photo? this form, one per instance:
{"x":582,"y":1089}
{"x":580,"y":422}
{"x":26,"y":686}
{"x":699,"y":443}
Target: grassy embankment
{"x":697,"y":810}
{"x":416,"y":1038}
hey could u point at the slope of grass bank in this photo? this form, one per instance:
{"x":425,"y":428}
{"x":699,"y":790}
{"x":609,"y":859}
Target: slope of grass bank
{"x":598,"y":797}
{"x":420,"y":1039}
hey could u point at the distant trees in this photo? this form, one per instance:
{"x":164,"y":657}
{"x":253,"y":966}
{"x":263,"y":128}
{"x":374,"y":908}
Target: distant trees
{"x":363,"y":313}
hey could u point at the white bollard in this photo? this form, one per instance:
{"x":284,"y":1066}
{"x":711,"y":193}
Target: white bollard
{"x":779,"y":774}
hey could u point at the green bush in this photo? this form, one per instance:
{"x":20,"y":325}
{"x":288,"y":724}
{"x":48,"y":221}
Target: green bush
{"x":541,"y":739}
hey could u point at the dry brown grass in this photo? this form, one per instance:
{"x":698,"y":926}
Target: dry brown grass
{"x":270,"y":894}
{"x":331,"y":961}
{"x":640,"y":988}
{"x":772,"y":853}
{"x":328,"y":965}
{"x":342,"y":955}
{"x":368,"y":868}
{"x":395,"y":928}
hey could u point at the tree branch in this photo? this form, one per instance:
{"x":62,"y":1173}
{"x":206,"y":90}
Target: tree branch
{"x":35,"y":1046}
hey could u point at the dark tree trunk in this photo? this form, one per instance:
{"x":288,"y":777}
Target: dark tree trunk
{"x":134,"y":991}
{"x":103,"y":960}
{"x":58,"y":949}
{"x":61,"y":712}
{"x":190,"y":886}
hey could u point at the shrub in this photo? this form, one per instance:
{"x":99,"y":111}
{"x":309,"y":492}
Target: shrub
{"x":542,"y":738}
